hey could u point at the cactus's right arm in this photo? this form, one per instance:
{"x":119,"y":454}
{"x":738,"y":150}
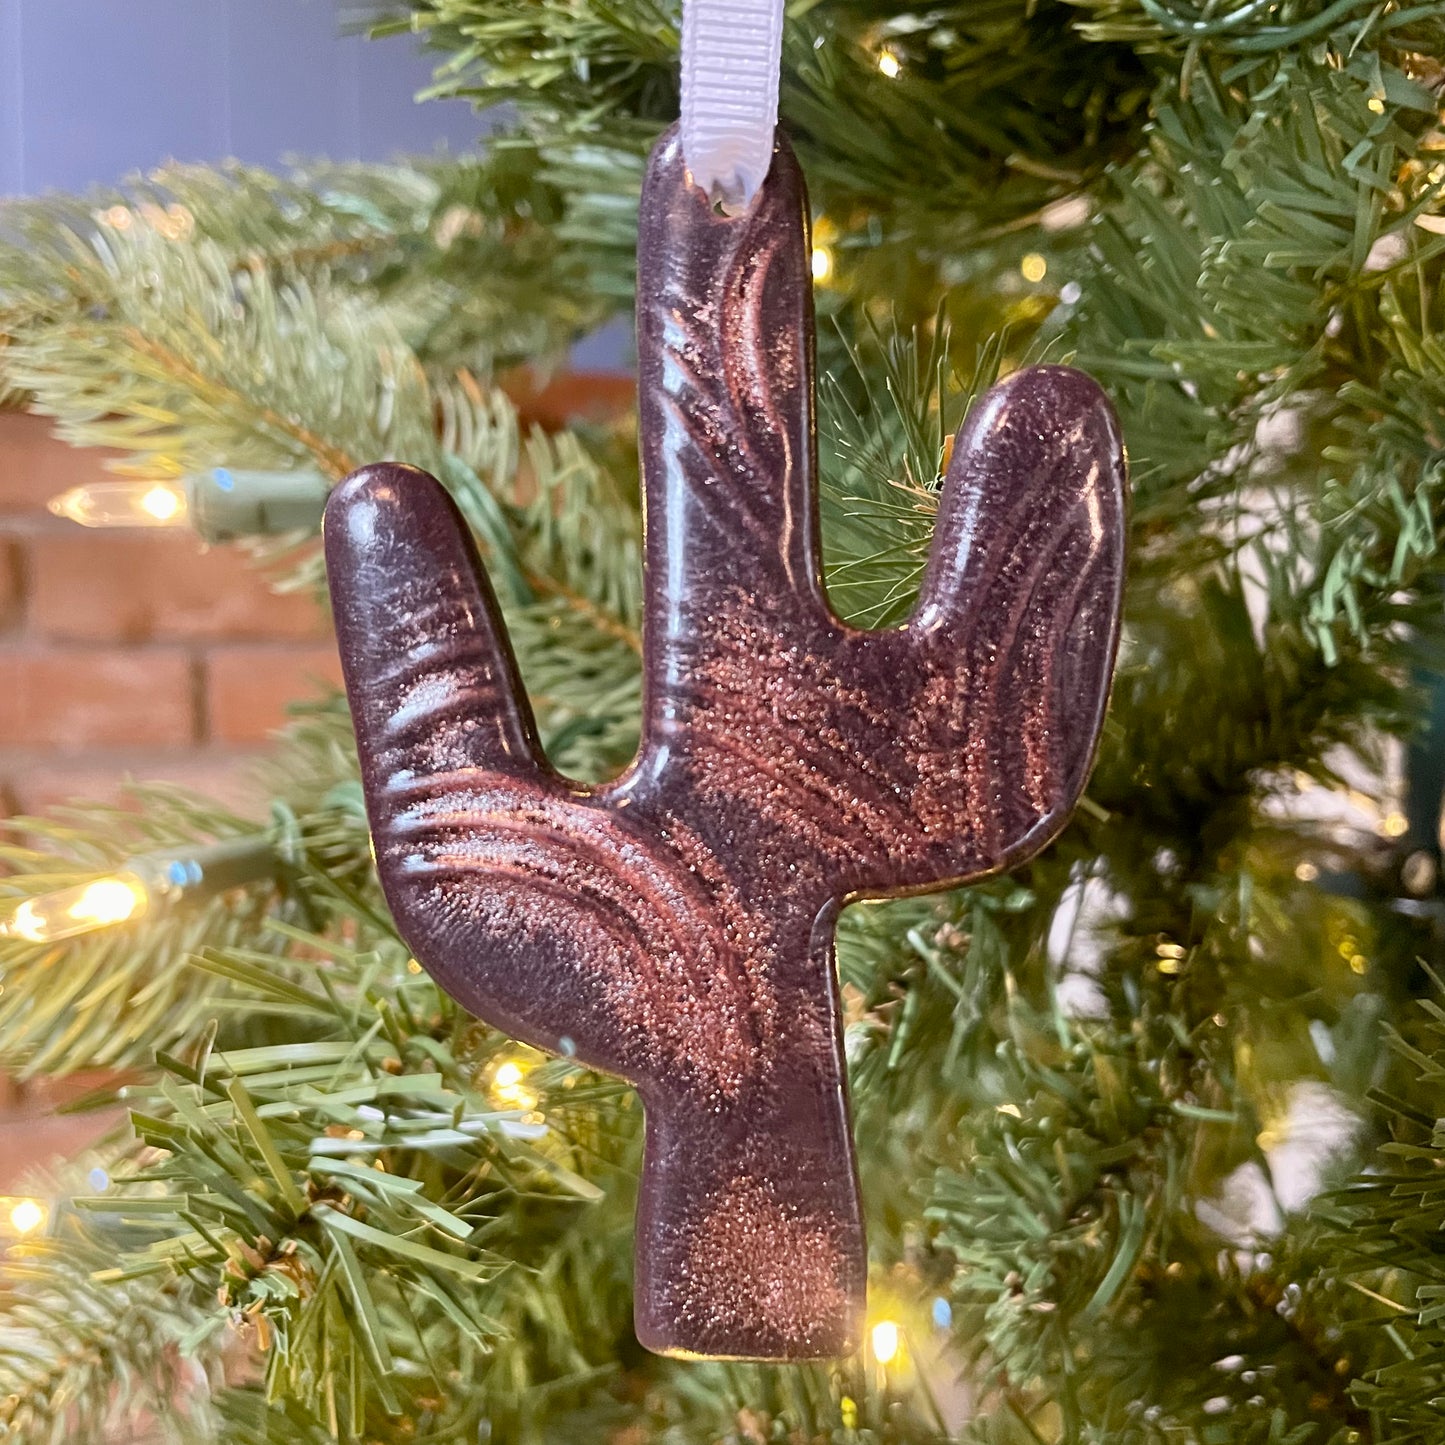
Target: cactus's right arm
{"x":818,"y":760}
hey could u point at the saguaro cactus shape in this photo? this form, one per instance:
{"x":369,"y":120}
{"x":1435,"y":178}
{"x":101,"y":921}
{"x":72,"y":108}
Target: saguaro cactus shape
{"x":675,"y":927}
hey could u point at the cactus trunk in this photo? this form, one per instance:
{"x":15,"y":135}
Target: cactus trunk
{"x":749,"y":1235}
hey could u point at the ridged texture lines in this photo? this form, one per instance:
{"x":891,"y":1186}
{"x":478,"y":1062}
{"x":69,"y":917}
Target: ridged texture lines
{"x":675,"y":927}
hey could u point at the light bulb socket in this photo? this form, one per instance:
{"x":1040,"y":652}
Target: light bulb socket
{"x":224,"y":505}
{"x":138,"y":885}
{"x":207,"y":871}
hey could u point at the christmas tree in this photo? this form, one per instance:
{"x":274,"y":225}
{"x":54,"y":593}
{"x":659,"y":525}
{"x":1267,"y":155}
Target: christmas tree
{"x":1149,"y":1130}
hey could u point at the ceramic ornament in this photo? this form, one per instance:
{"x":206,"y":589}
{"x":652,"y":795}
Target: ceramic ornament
{"x":675,"y":927}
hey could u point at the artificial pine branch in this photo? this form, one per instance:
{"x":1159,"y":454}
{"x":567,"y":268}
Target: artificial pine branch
{"x":78,"y":1363}
{"x":997,"y":112}
{"x":444,"y":247}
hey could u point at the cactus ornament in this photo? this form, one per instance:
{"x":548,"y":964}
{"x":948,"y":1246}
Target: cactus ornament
{"x":675,"y":926}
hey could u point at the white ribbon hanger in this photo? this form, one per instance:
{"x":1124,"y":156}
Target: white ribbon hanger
{"x":731,"y":55}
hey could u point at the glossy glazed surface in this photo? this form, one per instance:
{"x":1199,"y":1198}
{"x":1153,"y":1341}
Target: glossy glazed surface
{"x":675,"y":927}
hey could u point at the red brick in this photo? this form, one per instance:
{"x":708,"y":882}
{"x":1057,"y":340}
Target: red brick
{"x":40,"y":784}
{"x":33,"y":1142}
{"x":554,"y":402}
{"x":129,"y":587}
{"x":35,"y":465}
{"x":83,"y":697}
{"x":250,"y":688}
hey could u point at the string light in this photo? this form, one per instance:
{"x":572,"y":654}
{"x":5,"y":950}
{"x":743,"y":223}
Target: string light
{"x":889,"y":64}
{"x":137,"y":886}
{"x":69,"y":912}
{"x":123,"y":504}
{"x":1034,"y":267}
{"x":1393,"y":825}
{"x":175,"y":222}
{"x":1171,"y":957}
{"x":507,"y":1089}
{"x":219,"y":505}
{"x":825,"y":233}
{"x":885,"y":1339}
{"x":26,"y":1215}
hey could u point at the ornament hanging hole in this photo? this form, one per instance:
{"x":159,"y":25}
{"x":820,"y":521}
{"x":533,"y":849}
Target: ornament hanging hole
{"x":727,"y":197}
{"x":728,"y":202}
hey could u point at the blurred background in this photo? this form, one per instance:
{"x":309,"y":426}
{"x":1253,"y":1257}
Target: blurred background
{"x":129,"y":653}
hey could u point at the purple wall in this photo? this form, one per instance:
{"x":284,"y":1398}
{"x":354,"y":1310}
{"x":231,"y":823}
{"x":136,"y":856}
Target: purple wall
{"x":93,"y":89}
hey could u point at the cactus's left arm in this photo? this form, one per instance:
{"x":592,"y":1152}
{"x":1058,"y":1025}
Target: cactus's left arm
{"x":524,"y":895}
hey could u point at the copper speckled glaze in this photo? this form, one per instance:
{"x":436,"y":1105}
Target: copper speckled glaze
{"x":675,"y":927}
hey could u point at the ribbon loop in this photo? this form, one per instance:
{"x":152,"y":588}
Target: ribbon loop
{"x":731,"y":56}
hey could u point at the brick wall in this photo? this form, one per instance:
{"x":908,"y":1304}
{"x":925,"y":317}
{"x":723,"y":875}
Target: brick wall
{"x":133,"y":653}
{"x":130,"y":653}
{"x":142,"y":654}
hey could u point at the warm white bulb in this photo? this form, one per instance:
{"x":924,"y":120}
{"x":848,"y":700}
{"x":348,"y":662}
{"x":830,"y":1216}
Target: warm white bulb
{"x":885,"y":1341}
{"x":27,"y":1215}
{"x":508,"y":1090}
{"x":162,"y":503}
{"x":67,"y":912}
{"x":822,"y":263}
{"x":889,"y":64}
{"x":131,"y":503}
{"x":1034,"y":267}
{"x":107,"y":900}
